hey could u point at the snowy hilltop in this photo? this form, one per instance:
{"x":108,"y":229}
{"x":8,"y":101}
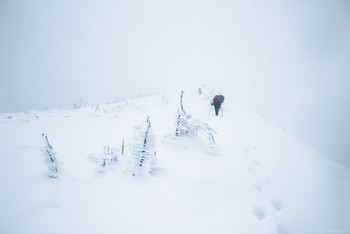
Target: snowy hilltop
{"x":164,"y":164}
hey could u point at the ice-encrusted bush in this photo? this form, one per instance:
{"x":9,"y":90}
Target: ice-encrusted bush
{"x":105,"y":159}
{"x":142,"y":150}
{"x":50,"y":158}
{"x":182,"y":125}
{"x":109,"y":157}
{"x":79,"y":104}
{"x":186,"y":126}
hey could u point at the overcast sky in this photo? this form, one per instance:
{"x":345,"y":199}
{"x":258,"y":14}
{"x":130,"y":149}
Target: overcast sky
{"x":290,"y":59}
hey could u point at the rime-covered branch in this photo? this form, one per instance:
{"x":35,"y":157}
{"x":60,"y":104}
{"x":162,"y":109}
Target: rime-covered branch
{"x":105,"y":159}
{"x":51,"y":160}
{"x":182,"y":127}
{"x":186,"y":126}
{"x":142,"y":150}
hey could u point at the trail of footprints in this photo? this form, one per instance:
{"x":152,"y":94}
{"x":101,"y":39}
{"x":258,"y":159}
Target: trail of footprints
{"x":261,"y":186}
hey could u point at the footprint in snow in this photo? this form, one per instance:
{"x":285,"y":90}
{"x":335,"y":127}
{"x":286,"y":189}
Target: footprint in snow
{"x":250,"y":167}
{"x":282,"y":229}
{"x":259,"y":212}
{"x":267,"y":180}
{"x":256,"y":161}
{"x":258,"y":186}
{"x":277,"y":204}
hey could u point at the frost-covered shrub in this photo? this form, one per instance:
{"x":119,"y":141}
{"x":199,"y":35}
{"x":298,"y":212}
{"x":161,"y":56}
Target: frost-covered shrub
{"x":108,"y":158}
{"x":50,"y":158}
{"x":142,"y":150}
{"x":79,"y":104}
{"x":97,"y":108}
{"x":122,"y":148}
{"x":105,"y":159}
{"x":182,"y":126}
{"x":187,"y":126}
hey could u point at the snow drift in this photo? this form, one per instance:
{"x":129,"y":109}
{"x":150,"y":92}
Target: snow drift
{"x":260,"y":179}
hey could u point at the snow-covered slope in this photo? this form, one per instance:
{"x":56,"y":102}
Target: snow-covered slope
{"x":260,"y":179}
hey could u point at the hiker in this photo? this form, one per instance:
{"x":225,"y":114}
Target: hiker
{"x":217,"y":101}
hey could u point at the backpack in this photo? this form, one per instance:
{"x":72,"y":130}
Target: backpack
{"x":219,"y":98}
{"x":222,"y":98}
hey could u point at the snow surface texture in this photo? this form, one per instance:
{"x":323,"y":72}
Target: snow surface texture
{"x":262,"y":180}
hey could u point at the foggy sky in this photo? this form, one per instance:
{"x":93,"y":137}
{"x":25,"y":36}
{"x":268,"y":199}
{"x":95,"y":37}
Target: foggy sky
{"x":289,"y":59}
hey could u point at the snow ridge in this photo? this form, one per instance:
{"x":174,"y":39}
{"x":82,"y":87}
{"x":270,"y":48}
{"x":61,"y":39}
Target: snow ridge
{"x":236,"y":173}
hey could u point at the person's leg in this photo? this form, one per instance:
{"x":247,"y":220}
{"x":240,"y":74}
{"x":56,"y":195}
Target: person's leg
{"x":216,"y":110}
